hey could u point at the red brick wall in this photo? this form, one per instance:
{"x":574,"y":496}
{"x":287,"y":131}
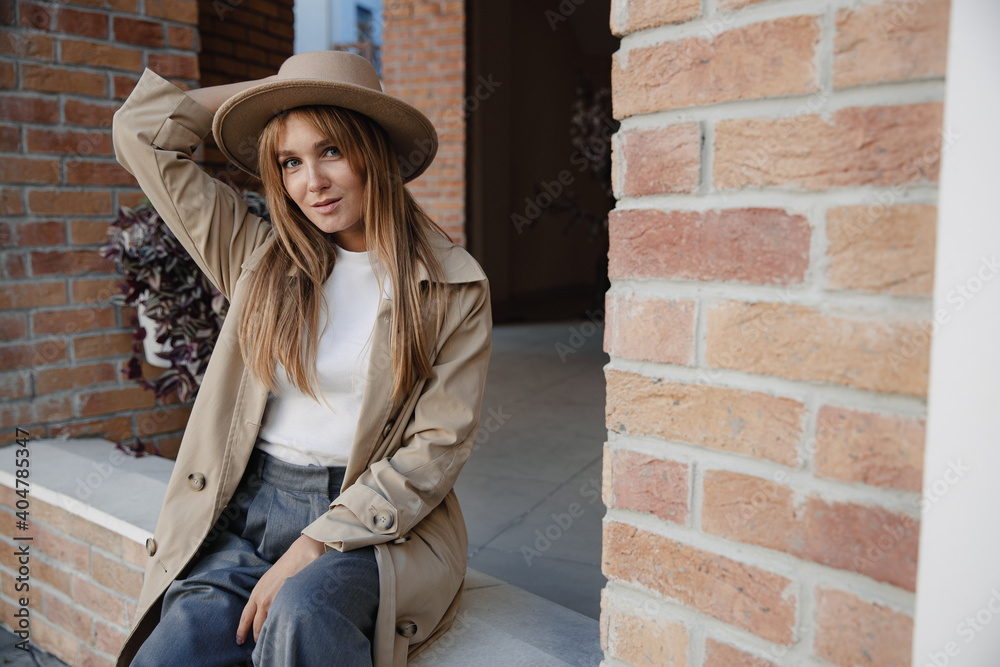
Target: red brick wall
{"x":241,"y":40}
{"x":423,"y":62}
{"x":84,"y":579}
{"x":65,"y":68}
{"x":769,"y":325}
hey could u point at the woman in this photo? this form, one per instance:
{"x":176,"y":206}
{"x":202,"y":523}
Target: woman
{"x":310,"y":517}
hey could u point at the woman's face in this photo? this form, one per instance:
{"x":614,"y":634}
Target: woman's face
{"x":315,"y":172}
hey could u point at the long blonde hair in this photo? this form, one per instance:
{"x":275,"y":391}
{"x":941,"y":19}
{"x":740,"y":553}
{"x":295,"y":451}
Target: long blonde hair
{"x":280,"y":321}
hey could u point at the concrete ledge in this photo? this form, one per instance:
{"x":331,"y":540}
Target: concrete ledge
{"x":89,"y":488}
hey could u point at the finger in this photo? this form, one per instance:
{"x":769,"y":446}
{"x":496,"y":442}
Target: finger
{"x":258,"y":620}
{"x":246,"y":618}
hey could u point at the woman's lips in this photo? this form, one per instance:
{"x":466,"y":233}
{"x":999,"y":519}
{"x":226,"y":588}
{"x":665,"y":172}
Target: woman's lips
{"x":327,"y":208}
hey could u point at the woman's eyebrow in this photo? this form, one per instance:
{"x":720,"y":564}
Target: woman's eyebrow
{"x":315,"y":145}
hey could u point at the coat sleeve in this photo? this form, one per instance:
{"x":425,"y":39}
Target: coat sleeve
{"x":154,"y":133}
{"x":394,"y":494}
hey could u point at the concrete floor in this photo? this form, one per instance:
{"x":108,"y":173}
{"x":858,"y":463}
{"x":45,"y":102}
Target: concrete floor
{"x":531,"y":490}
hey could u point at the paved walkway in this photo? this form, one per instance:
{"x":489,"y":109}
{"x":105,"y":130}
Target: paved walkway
{"x":531,"y":490}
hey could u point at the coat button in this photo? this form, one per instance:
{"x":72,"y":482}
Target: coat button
{"x":150,"y":546}
{"x":407,"y":628}
{"x":197,"y":481}
{"x":386,"y":429}
{"x":383,"y":519}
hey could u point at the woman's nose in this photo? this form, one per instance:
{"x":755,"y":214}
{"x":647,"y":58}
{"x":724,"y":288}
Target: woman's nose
{"x":317,"y":179}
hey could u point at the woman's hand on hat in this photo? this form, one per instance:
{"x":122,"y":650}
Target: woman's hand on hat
{"x":213,"y":97}
{"x":303,"y":551}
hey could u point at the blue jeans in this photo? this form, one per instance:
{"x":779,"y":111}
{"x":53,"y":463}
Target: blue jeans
{"x":324,"y":615}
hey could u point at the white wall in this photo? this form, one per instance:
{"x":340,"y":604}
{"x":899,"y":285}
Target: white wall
{"x":957,"y":618}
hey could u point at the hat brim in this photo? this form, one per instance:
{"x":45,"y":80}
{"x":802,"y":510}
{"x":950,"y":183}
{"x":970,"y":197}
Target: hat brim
{"x":240,"y":120}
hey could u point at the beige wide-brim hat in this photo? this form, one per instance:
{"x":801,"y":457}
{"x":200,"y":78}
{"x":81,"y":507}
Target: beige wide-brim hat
{"x":324,"y":77}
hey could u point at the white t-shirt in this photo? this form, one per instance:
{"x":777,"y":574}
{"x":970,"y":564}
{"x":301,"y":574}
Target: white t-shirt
{"x":297,"y":428}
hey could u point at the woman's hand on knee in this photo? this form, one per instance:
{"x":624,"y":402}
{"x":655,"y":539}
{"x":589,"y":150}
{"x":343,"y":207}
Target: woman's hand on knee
{"x":303,"y":551}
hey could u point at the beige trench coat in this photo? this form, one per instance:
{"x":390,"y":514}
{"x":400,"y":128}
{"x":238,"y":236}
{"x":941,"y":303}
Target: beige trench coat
{"x":406,"y":455}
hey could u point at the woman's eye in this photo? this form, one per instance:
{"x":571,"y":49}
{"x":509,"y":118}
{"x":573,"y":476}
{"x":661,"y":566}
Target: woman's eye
{"x":334,"y":149}
{"x":285,"y":164}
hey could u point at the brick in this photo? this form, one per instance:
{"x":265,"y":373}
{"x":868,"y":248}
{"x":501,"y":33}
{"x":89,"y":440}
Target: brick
{"x":134,"y":552}
{"x":866,"y":350}
{"x":63,"y":202}
{"x":51,"y":515}
{"x":891,"y":41}
{"x":123,"y":86}
{"x":89,"y":115}
{"x":51,"y":576}
{"x":767,"y":59}
{"x":58,"y":379}
{"x":12,"y":327}
{"x":639,"y":638}
{"x":29,"y":109}
{"x":888,"y":145}
{"x":93,"y":172}
{"x":72,"y":321}
{"x":174,"y":66}
{"x":39,"y":233}
{"x":97,"y":54}
{"x":12,"y":266}
{"x":742,"y":595}
{"x":77,"y":22}
{"x":181,"y":11}
{"x":181,"y":38}
{"x":116,"y":429}
{"x":94,"y":291}
{"x":115,"y":400}
{"x":65,"y":550}
{"x":29,"y":170}
{"x":649,"y":484}
{"x":92,"y":533}
{"x":126,"y":6}
{"x":732,"y":420}
{"x":666,"y":160}
{"x":851,"y":631}
{"x":69,"y":262}
{"x":69,"y":143}
{"x":15,"y":385}
{"x":134,"y":31}
{"x":756,"y":245}
{"x":117,"y":576}
{"x":66,"y":618}
{"x":877,"y":449}
{"x":106,"y":605}
{"x":21,"y":295}
{"x":737,"y":4}
{"x":102,"y":345}
{"x":651,"y":329}
{"x":162,"y":420}
{"x":90,"y":658}
{"x":871,"y":541}
{"x":88,"y":232}
{"x":27,"y":45}
{"x":108,"y":639}
{"x":10,"y":139}
{"x":634,"y":15}
{"x":55,"y":641}
{"x":10,"y":202}
{"x":882,"y":249}
{"x":8,"y":81}
{"x":15,"y":415}
{"x":38,"y":353}
{"x":35,"y":16}
{"x":718,"y":654}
